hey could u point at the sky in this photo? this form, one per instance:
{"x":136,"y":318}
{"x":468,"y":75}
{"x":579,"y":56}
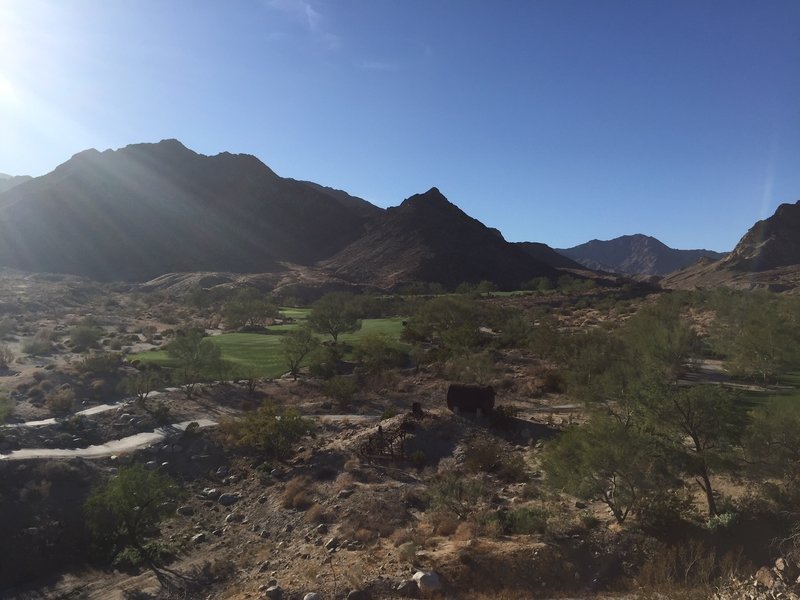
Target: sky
{"x":556,"y":121}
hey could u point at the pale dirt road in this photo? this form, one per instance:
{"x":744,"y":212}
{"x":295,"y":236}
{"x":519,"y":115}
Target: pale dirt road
{"x":126,"y":444}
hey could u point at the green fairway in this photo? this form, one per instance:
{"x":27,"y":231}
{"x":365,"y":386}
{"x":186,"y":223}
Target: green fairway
{"x":261,"y":352}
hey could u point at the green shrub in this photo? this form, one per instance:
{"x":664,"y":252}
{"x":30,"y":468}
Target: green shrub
{"x":341,"y":388}
{"x":520,"y":521}
{"x":39,"y":345}
{"x":6,"y":357}
{"x":269,"y":431}
{"x":455,"y":493}
{"x":60,"y":402}
{"x":84,"y":337}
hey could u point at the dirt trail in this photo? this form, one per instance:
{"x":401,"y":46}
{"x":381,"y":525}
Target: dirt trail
{"x":126,"y":444}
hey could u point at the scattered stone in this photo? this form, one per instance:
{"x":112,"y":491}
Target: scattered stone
{"x":218,"y":532}
{"x":322,"y":528}
{"x":581,"y":505}
{"x":264,"y":533}
{"x":765,"y":578}
{"x":199,"y":538}
{"x":263,"y":566}
{"x":289,"y":528}
{"x":212,"y":493}
{"x":233,"y":518}
{"x":428,"y":582}
{"x":185,"y":511}
{"x":151,"y":465}
{"x":312,"y":596}
{"x":228,"y":499}
{"x":345,"y":493}
{"x":262,"y":499}
{"x":359,"y":595}
{"x":332,"y":544}
{"x":222,"y":471}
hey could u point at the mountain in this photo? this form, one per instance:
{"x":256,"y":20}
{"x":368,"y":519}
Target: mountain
{"x":767,"y":256}
{"x":149,"y":209}
{"x":545,"y":254}
{"x":635,"y":255}
{"x":771,"y":243}
{"x":427,"y":238}
{"x":9,"y":181}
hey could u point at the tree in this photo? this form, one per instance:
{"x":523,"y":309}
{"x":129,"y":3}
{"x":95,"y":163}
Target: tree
{"x":296,"y":346}
{"x":194,"y":356}
{"x":450,"y":324}
{"x":85,"y":336}
{"x":248,"y":309}
{"x":607,"y":461}
{"x":142,"y":383}
{"x":772,"y":444}
{"x":703,"y":423}
{"x":123,"y":512}
{"x":333,"y":314}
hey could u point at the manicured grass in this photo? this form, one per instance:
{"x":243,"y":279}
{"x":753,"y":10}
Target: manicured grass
{"x":261,"y":352}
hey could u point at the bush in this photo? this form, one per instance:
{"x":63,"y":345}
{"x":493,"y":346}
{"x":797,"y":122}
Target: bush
{"x":341,"y":388}
{"x":60,"y":402}
{"x":520,"y":521}
{"x":455,"y":493}
{"x":6,"y":357}
{"x":84,"y":337}
{"x":268,"y":431}
{"x":100,"y":364}
{"x":296,"y":494}
{"x":39,"y":345}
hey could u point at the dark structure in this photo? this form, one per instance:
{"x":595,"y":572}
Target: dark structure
{"x":470,"y":398}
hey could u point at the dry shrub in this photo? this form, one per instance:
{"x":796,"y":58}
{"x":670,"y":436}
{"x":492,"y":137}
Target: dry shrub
{"x":296,"y":494}
{"x":465,"y":531}
{"x":60,"y":402}
{"x":343,"y":481}
{"x":317,"y":514}
{"x":407,"y":552}
{"x":691,"y":564}
{"x":444,"y":523}
{"x":364,"y":535}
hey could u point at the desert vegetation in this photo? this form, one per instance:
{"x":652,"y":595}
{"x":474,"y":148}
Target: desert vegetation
{"x":643,"y":441}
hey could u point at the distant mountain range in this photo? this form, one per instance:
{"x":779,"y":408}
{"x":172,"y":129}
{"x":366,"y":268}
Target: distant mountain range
{"x":635,"y":255}
{"x":149,"y":210}
{"x":427,"y":238}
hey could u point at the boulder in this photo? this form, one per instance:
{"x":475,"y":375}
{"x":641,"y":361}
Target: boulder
{"x":359,"y":595}
{"x":228,"y":499}
{"x":312,"y":596}
{"x":274,"y":592}
{"x":185,"y":511}
{"x":428,"y":582}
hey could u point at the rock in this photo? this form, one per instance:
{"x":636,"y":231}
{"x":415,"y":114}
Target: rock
{"x":581,"y":505}
{"x":185,"y":511}
{"x":428,"y":582}
{"x":222,"y":471}
{"x":151,"y":465}
{"x":785,"y":570}
{"x":212,"y":493}
{"x":765,"y":578}
{"x":312,"y":596}
{"x":233,"y":518}
{"x":332,"y":544}
{"x":272,"y":582}
{"x":274,"y":592}
{"x":264,"y":533}
{"x":199,"y":538}
{"x":408,"y":588}
{"x":228,"y":499}
{"x":322,"y":528}
{"x":359,"y":595}
{"x":346,"y":493}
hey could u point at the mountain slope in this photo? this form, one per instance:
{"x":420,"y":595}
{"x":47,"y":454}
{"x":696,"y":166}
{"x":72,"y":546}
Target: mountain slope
{"x":547,"y":255}
{"x":427,"y":238}
{"x":767,"y":256}
{"x":635,"y":255}
{"x":9,"y":181}
{"x":148,"y":209}
{"x":770,"y":243}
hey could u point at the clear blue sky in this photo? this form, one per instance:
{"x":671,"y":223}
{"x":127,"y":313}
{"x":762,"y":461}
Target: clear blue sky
{"x":556,"y":121}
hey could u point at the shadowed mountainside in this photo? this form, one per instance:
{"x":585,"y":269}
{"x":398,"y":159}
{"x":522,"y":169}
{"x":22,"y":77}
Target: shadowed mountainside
{"x":767,"y":256}
{"x":149,"y":209}
{"x":635,"y":255}
{"x":546,"y":254}
{"x":427,"y":238}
